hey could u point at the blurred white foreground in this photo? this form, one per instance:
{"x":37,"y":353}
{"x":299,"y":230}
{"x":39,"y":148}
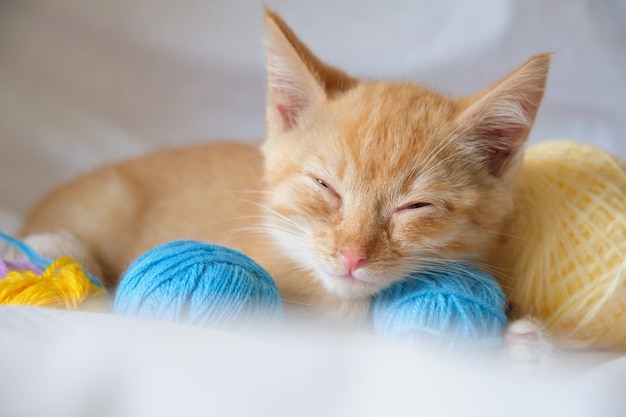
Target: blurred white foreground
{"x":59,"y":363}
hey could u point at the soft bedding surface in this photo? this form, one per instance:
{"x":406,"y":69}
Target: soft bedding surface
{"x":59,"y":363}
{"x":88,"y":82}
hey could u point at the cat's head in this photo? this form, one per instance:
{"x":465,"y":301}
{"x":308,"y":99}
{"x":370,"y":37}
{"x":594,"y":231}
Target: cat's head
{"x":370,"y":181}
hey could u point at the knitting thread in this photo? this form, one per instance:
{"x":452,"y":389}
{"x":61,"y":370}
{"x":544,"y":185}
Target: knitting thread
{"x":564,"y":258}
{"x":454,"y":304}
{"x":201,"y":284}
{"x":41,"y":282}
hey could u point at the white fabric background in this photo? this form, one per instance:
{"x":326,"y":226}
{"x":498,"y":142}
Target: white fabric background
{"x":83,"y":82}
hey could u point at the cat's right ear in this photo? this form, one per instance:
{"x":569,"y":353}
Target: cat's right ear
{"x":497,"y":121}
{"x":297,"y":80}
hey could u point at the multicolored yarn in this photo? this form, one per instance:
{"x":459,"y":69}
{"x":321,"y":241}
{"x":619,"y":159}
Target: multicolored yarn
{"x":45,"y":283}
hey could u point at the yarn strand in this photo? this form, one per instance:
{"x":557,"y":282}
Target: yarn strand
{"x":40,"y":261}
{"x":41,"y":282}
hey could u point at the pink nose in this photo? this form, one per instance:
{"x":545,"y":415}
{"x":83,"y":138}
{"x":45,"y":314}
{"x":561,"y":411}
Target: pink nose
{"x":352,"y":259}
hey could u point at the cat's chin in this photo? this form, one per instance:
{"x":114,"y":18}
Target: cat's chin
{"x":349,"y":287}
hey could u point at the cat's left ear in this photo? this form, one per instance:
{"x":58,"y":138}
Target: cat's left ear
{"x":497,"y":121}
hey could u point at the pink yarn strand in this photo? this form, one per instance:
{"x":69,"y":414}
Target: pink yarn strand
{"x":7,"y":266}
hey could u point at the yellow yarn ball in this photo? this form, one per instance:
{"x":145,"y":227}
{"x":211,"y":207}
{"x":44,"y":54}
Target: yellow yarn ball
{"x":564,"y":259}
{"x":63,"y":284}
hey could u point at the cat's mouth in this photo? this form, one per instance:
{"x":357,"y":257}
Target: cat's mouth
{"x":350,"y":285}
{"x":352,"y":279}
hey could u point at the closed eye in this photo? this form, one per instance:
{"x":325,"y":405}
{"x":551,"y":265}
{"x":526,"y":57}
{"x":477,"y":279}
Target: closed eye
{"x":415,"y":206}
{"x":322,"y":183}
{"x":325,"y":185}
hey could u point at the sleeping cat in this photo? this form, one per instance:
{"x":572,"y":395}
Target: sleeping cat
{"x":357,"y":185}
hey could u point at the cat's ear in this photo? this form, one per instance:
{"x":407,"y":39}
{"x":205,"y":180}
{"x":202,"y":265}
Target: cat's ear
{"x":297,"y":80}
{"x":497,"y":121}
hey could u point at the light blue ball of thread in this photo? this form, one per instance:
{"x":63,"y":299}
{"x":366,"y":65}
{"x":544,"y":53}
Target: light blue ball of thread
{"x":201,"y":284}
{"x":450,"y":306}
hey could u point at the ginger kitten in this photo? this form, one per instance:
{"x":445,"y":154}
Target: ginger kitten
{"x":357,"y":184}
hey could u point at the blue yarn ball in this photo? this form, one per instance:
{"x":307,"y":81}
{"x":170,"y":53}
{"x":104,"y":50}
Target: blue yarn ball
{"x":201,"y":284}
{"x":452,"y":305}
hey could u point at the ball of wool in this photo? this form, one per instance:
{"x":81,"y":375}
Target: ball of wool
{"x":564,"y":259}
{"x":199,"y":283}
{"x":38,"y":281}
{"x":451,"y":305}
{"x":63,"y":284}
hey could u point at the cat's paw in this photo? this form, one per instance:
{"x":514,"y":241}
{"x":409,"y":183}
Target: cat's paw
{"x":527,"y":346}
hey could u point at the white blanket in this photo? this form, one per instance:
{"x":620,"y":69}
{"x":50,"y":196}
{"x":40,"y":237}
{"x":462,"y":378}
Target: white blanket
{"x":66,"y":364}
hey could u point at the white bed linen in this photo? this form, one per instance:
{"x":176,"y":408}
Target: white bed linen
{"x":66,"y":364}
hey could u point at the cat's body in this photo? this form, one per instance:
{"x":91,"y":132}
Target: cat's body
{"x":207,"y":192}
{"x":357,"y":184}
